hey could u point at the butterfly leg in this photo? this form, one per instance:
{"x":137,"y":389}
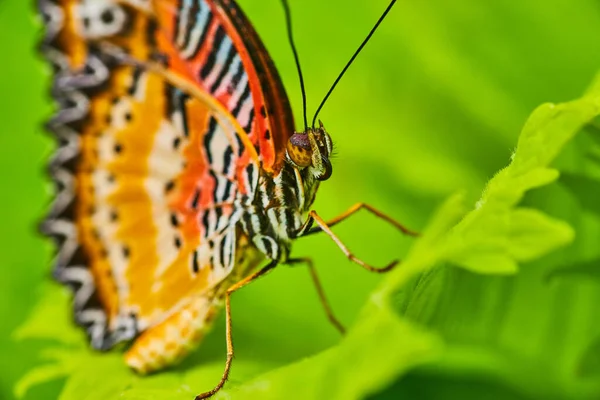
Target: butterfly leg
{"x":324,"y":227}
{"x":313,"y":273}
{"x":228,"y":336}
{"x":353,"y":210}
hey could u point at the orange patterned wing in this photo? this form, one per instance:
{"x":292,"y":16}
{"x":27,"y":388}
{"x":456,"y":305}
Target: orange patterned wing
{"x":169,"y":110}
{"x":219,"y":49}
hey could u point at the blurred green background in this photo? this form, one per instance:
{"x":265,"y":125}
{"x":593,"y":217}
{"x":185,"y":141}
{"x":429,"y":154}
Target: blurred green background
{"x":433,"y":105}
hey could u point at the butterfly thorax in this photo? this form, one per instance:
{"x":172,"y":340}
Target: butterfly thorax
{"x":277,"y":214}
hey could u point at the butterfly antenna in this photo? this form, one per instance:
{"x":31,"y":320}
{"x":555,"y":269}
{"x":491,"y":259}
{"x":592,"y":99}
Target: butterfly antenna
{"x":387,"y":10}
{"x":288,"y":20}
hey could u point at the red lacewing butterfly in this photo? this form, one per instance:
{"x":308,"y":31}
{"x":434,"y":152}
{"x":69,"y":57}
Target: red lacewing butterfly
{"x":178,"y":170}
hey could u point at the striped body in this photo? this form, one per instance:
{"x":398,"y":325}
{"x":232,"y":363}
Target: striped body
{"x":165,"y":197}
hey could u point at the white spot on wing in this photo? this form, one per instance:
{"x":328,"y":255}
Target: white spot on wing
{"x":164,"y":162}
{"x":119,"y":114}
{"x":164,"y":165}
{"x":92,"y":21}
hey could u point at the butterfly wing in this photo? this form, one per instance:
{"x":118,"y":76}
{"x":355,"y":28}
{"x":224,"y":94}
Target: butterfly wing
{"x":155,"y":164}
{"x":222,"y":52}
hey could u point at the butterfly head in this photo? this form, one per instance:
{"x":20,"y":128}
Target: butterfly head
{"x":311,"y":149}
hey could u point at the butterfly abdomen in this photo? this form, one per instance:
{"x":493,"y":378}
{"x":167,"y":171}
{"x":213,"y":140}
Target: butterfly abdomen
{"x":172,"y":339}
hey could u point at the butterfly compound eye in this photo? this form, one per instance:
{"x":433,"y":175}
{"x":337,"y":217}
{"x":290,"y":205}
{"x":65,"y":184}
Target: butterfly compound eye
{"x":299,"y":150}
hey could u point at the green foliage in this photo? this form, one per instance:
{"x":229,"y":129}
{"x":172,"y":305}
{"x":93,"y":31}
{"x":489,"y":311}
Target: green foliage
{"x":384,"y":343}
{"x":433,"y":105}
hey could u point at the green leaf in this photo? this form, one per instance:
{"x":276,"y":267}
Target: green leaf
{"x":62,"y":364}
{"x":50,"y":319}
{"x":583,"y":188}
{"x":589,"y":269}
{"x":495,"y":236}
{"x":589,"y":366}
{"x":533,"y":234}
{"x":36,"y":376}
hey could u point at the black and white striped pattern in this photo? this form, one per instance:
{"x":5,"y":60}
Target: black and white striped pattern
{"x":222,"y":148}
{"x":275,"y":215}
{"x":217,"y":252}
{"x":191,"y":26}
{"x":222,"y":71}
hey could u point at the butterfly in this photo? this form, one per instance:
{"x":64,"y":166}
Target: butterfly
{"x":178,"y":170}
